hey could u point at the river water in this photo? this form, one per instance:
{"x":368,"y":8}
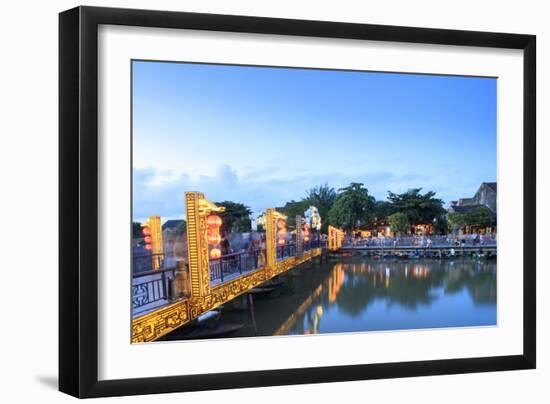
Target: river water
{"x":364,"y":294}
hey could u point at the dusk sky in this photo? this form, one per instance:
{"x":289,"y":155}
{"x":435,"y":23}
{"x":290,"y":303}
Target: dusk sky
{"x":263,"y":136}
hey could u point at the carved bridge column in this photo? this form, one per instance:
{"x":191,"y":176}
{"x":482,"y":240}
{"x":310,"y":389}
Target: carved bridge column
{"x":335,"y":238}
{"x":271,"y":216}
{"x":299,"y":236}
{"x":197,"y":209}
{"x":270,"y":240}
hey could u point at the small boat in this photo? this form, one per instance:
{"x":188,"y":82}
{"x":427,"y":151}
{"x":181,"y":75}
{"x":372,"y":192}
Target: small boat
{"x":208,"y":315}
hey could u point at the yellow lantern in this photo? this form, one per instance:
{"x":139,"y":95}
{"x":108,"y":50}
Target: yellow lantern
{"x":215,"y":253}
{"x":213,"y":221}
{"x":214,"y":238}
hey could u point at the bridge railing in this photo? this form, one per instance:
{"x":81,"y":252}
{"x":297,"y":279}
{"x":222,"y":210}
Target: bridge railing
{"x":421,"y":241}
{"x":311,"y":244}
{"x":286,"y":251}
{"x":235,"y":264}
{"x":151,"y":289}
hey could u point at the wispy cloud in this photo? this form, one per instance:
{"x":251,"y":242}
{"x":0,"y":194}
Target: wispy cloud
{"x":162,"y":193}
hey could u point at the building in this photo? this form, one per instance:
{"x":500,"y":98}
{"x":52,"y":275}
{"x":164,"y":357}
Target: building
{"x":486,"y":195}
{"x":171,"y":225}
{"x":379,"y":228}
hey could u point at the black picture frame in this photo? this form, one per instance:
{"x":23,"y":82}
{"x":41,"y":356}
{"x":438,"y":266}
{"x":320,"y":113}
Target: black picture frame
{"x":78,"y":200}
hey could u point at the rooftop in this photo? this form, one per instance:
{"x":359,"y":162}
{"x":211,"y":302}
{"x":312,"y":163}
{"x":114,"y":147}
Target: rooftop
{"x":171,"y":224}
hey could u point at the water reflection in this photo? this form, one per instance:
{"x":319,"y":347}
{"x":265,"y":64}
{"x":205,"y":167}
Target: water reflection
{"x":361,"y":294}
{"x":366,"y":295}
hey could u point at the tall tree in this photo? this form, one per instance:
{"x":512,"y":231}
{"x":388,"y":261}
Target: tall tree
{"x":399,"y":223}
{"x":456,"y":221}
{"x":441,"y":225}
{"x":291,"y":209}
{"x":353,"y":206}
{"x":383,"y":209}
{"x":136,"y":230}
{"x":322,"y":197}
{"x":236,"y":217}
{"x":419,"y":208}
{"x":481,"y":216}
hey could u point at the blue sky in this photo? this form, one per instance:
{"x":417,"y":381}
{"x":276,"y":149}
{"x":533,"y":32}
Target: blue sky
{"x":262,"y":136}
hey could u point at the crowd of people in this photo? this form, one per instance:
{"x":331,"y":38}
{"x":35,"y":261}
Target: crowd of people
{"x":422,"y":241}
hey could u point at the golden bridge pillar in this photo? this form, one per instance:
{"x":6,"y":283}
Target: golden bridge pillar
{"x":152,"y":236}
{"x":270,"y":238}
{"x":299,"y":236}
{"x":197,"y":209}
{"x":335,"y":238}
{"x":271,"y":216}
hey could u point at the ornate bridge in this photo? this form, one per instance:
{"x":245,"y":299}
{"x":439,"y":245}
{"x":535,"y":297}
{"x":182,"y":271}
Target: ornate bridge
{"x":167,"y":297}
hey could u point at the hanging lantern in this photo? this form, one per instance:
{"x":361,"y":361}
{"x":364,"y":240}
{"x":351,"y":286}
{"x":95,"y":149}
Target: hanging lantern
{"x":215,"y":253}
{"x":281,"y":233}
{"x":148,"y":247}
{"x":306,"y":238}
{"x":148,"y":239}
{"x":281,"y":224}
{"x":281,"y":241}
{"x":146,"y":231}
{"x":214,"y":238}
{"x":213,"y":221}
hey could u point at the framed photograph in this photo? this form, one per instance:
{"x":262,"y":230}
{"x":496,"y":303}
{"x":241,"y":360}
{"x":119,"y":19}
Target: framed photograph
{"x":251,"y":201}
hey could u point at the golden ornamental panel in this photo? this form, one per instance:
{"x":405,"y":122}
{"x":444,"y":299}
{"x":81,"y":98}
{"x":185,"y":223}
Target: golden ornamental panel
{"x":152,"y":326}
{"x":162,"y":321}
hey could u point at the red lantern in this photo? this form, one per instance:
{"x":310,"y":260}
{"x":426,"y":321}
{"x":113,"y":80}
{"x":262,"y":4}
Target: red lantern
{"x":281,"y":233}
{"x":213,"y":221}
{"x":281,"y":224}
{"x":214,"y":239}
{"x":148,"y":247}
{"x":148,"y":239}
{"x":215,"y":253}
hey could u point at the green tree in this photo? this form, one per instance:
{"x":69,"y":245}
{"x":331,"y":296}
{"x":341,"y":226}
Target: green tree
{"x":419,"y":208}
{"x":136,"y":230}
{"x":441,"y":225}
{"x":353,"y":206}
{"x":236,"y":217}
{"x":291,"y":209}
{"x":322,"y":197}
{"x":383,"y":209}
{"x":481,"y":216}
{"x":399,"y":223}
{"x":456,"y":221}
